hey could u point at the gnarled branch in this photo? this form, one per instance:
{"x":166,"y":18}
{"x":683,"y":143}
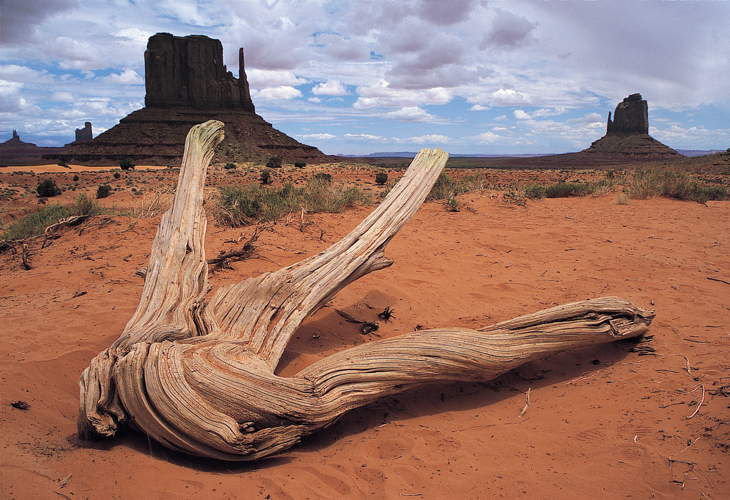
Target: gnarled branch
{"x":199,"y":377}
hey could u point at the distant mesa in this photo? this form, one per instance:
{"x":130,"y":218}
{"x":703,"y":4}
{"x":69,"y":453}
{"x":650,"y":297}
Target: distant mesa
{"x":186,"y":83}
{"x":16,"y":152}
{"x":627,"y":134}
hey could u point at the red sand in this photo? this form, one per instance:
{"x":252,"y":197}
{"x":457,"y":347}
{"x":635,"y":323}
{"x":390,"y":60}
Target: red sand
{"x":603,"y":422}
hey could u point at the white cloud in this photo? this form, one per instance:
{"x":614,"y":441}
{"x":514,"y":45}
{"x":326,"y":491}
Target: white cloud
{"x":488,"y":138}
{"x":330,"y":87}
{"x":409,"y":114}
{"x":127,"y":77}
{"x":283,"y":92}
{"x":521,"y":115}
{"x":429,"y":139}
{"x":318,"y":137}
{"x":261,"y":78}
{"x":365,"y":137}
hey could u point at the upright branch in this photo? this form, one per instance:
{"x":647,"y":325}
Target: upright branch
{"x":199,"y":377}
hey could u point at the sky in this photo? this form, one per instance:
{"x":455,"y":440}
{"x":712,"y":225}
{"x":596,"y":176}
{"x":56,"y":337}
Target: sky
{"x":356,"y":77}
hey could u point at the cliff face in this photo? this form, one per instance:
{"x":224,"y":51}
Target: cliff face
{"x":631,"y":116}
{"x":187,"y":83}
{"x":189,"y":72}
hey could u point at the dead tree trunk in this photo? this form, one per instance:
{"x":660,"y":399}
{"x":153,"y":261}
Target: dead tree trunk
{"x":199,"y":376}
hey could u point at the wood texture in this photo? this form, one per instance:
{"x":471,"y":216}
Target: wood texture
{"x":199,"y":376}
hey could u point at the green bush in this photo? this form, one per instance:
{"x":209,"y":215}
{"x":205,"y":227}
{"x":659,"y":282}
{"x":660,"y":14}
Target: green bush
{"x":564,"y":189}
{"x":126,"y":164}
{"x":35,"y":224}
{"x":381,"y":178}
{"x":274,"y":162}
{"x":103,"y":191}
{"x":265,"y":177}
{"x":230,"y":166}
{"x":47,"y":189}
{"x":117,"y":175}
{"x":76,"y":177}
{"x":300,"y":164}
{"x":535,"y":192}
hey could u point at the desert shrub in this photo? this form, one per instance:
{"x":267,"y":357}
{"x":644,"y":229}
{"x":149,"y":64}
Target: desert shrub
{"x":35,"y":223}
{"x":381,"y":178}
{"x":76,"y":178}
{"x":47,"y":189}
{"x":265,"y":177}
{"x":103,"y":191}
{"x":535,"y":192}
{"x":300,"y":164}
{"x":565,"y":189}
{"x":63,"y":164}
{"x":230,"y":166}
{"x":650,"y":182}
{"x":117,"y":175}
{"x":240,"y":206}
{"x":446,"y":187}
{"x":453,"y":204}
{"x":322,"y":176}
{"x":84,"y":205}
{"x":126,"y":164}
{"x":274,"y":162}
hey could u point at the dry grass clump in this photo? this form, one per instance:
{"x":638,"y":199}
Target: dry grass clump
{"x":651,"y":182}
{"x":154,"y":203}
{"x":241,"y":206}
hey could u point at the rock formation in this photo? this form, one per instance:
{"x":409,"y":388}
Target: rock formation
{"x":187,"y":83}
{"x":16,"y":152}
{"x":84,"y":134}
{"x":631,"y":116}
{"x":189,"y":72}
{"x":627,"y":135}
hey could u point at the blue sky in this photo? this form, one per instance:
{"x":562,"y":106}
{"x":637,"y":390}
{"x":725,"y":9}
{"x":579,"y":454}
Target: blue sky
{"x":364,"y":76}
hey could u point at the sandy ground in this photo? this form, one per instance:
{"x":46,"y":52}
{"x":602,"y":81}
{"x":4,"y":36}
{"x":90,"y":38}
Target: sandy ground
{"x":603,"y":422}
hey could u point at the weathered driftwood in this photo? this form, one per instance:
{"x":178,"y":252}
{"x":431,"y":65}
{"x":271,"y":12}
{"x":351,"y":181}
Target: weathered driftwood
{"x":199,"y":377}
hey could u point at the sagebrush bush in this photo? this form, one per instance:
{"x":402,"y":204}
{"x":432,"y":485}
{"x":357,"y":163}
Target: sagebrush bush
{"x":103,"y":191}
{"x":300,"y":164}
{"x":265,"y":177}
{"x":230,"y":166}
{"x":274,"y":162}
{"x":381,"y":178}
{"x":47,"y":189}
{"x":126,"y":164}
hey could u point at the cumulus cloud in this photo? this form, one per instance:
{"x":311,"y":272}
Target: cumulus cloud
{"x":508,"y":31}
{"x":409,"y":114}
{"x":444,"y":13}
{"x":273,"y":78}
{"x":283,"y":92}
{"x":127,"y":77}
{"x":521,"y":115}
{"x":21,"y":18}
{"x":330,"y":87}
{"x":342,"y":48}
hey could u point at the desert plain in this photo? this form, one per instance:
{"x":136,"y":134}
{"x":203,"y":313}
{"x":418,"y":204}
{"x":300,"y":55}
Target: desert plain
{"x":646,"y":418}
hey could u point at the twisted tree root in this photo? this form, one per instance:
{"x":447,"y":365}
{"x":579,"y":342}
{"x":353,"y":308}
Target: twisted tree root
{"x":199,"y":376}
